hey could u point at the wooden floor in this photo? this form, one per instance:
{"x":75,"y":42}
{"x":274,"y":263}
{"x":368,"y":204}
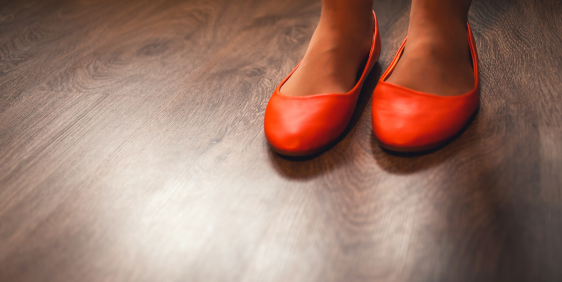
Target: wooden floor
{"x":132,"y":149}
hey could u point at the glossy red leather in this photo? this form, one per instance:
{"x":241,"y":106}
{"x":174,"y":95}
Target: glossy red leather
{"x":405,"y":120}
{"x":304,"y":125}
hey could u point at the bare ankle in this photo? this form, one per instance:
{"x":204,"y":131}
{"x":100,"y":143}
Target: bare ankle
{"x":339,"y":44}
{"x":441,"y":9}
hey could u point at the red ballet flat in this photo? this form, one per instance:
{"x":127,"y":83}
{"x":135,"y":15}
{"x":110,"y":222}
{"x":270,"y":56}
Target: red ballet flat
{"x":305,"y":125}
{"x":405,"y":120}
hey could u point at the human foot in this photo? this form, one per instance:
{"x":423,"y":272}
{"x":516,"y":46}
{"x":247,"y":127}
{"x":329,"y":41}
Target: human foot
{"x":436,"y":58}
{"x":338,"y":46}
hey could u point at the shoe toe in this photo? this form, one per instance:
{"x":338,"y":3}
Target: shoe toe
{"x":304,"y":125}
{"x":408,"y":121}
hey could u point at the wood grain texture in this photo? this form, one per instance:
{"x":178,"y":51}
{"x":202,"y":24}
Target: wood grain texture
{"x":132,"y":149}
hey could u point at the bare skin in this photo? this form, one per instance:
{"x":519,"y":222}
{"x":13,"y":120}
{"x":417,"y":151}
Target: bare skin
{"x":436,"y":58}
{"x":338,"y":46}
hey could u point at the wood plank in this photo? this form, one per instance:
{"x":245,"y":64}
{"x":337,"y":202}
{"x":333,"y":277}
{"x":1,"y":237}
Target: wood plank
{"x":132,"y":149}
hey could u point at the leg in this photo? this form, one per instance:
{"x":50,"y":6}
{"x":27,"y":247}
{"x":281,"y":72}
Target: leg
{"x":338,"y":46}
{"x":436,"y":58}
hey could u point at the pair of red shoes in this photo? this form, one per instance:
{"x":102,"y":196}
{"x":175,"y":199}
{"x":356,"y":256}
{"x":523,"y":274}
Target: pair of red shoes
{"x":403,"y":120}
